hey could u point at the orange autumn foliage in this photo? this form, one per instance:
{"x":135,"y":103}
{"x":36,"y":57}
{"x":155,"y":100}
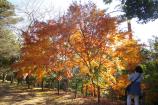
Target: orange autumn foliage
{"x":85,"y":37}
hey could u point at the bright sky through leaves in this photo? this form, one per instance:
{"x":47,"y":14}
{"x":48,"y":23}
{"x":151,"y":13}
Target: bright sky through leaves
{"x":142,"y":32}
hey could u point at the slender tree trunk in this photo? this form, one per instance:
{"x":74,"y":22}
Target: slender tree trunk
{"x":11,"y":79}
{"x":86,"y":90}
{"x":94,"y":90}
{"x":98,"y":95}
{"x":67,"y":85}
{"x":129,"y":29}
{"x":82,"y":88}
{"x":28,"y":86}
{"x":18,"y":81}
{"x":28,"y":82}
{"x":52,"y":82}
{"x":4,"y":76}
{"x":34,"y":83}
{"x":76,"y":89}
{"x":58,"y":86}
{"x":42,"y":84}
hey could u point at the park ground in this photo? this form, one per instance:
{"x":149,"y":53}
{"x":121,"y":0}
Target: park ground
{"x":20,"y":95}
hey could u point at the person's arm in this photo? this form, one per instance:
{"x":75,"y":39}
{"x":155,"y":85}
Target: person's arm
{"x":130,"y":77}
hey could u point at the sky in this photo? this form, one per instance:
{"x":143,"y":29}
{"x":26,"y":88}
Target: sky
{"x":46,"y":9}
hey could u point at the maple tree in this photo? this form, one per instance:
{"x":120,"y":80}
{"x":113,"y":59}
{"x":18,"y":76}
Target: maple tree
{"x":86,"y":38}
{"x":37,"y":50}
{"x":99,"y":48}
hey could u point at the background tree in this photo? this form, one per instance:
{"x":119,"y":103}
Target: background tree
{"x":7,"y":14}
{"x":144,"y":10}
{"x":9,"y":47}
{"x":150,"y":71}
{"x":37,"y":51}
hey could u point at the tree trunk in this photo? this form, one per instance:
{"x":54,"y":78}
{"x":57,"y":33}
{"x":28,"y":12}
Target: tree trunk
{"x":76,"y":89}
{"x":28,"y":81}
{"x":86,"y":90}
{"x":28,"y":86}
{"x":129,"y":29}
{"x":82,"y":89}
{"x":42,"y":84}
{"x":11,"y":79}
{"x":18,"y":81}
{"x":4,"y":76}
{"x":94,"y":90}
{"x":98,"y":95}
{"x":52,"y":82}
{"x":67,"y":84}
{"x":34,"y":83}
{"x":58,"y":86}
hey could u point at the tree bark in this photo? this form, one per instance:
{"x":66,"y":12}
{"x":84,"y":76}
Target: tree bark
{"x":28,"y":81}
{"x":58,"y":87}
{"x":11,"y":79}
{"x":94,"y":90}
{"x":129,"y":29}
{"x":4,"y":76}
{"x":76,"y":89}
{"x":42,"y":84}
{"x":86,"y":90}
{"x":82,"y":89}
{"x":98,"y":95}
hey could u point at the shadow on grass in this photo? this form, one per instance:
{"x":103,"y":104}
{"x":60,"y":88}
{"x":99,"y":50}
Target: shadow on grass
{"x":18,"y":95}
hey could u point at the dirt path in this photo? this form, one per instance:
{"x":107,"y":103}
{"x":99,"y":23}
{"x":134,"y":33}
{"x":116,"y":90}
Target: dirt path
{"x":14,"y":95}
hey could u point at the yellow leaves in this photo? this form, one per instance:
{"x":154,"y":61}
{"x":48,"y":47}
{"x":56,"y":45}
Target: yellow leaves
{"x":76,"y":38}
{"x":89,"y":87}
{"x":94,"y":63}
{"x":129,"y":52}
{"x":109,"y":76}
{"x":112,"y":71}
{"x":40,"y":74}
{"x":121,"y":65}
{"x":109,"y":64}
{"x":121,"y":83}
{"x":84,"y":70}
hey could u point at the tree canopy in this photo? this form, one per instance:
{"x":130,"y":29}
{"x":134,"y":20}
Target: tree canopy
{"x":144,"y":10}
{"x":7,"y":13}
{"x":84,"y":38}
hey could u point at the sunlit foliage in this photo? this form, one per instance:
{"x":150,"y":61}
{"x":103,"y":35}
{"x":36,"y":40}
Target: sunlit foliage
{"x":85,"y":38}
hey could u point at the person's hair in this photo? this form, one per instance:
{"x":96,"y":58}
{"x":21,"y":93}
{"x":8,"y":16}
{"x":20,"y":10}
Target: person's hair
{"x":139,"y":69}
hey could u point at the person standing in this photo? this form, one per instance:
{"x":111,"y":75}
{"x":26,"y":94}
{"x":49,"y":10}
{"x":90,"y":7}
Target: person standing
{"x":134,"y":90}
